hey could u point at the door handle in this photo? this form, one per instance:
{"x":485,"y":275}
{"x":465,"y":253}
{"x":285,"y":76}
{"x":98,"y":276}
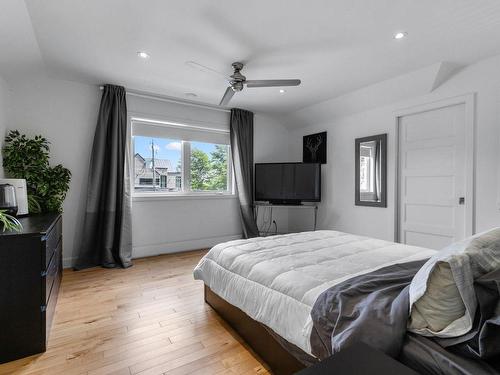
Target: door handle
{"x":461,"y":200}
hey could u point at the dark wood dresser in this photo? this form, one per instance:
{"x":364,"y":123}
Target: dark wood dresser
{"x":30,"y":274}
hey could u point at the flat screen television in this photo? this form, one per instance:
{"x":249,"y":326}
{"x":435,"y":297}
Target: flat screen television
{"x":288,"y":183}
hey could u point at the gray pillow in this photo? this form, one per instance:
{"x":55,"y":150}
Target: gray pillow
{"x":442,"y":298}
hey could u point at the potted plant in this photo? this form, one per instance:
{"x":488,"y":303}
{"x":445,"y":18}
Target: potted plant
{"x":9,"y":222}
{"x":28,"y":158}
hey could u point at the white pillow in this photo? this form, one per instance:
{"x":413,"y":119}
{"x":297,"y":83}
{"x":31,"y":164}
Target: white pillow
{"x":442,"y":298}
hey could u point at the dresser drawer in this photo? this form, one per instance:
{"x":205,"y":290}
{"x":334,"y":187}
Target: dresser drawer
{"x":52,"y":272}
{"x":48,"y":310}
{"x":52,"y":239}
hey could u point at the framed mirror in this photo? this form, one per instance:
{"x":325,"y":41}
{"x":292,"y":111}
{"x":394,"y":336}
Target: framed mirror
{"x":371,"y":171}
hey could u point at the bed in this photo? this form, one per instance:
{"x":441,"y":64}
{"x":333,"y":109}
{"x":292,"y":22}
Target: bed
{"x":267,"y":287}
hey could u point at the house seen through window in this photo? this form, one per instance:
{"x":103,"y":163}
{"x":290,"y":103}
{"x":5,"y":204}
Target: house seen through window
{"x":173,"y":165}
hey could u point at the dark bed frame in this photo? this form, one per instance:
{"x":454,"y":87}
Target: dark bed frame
{"x":255,"y":335}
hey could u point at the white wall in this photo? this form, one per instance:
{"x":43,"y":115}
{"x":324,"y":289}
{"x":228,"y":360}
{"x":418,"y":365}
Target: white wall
{"x":270,"y":140}
{"x":166,"y":225}
{"x":337,"y":209}
{"x":65,"y":113}
{"x":4,"y":92}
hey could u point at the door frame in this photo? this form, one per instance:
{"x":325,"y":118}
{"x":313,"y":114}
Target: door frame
{"x":469,"y":101}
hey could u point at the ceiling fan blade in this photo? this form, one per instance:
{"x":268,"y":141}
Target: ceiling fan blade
{"x":227,"y":96}
{"x":272,"y":82}
{"x":205,"y":69}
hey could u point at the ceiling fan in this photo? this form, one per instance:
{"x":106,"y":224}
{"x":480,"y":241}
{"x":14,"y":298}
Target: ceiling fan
{"x":238,"y":80}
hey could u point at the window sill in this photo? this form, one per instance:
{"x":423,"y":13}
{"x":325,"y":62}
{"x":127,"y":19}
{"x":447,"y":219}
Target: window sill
{"x":146,"y":197}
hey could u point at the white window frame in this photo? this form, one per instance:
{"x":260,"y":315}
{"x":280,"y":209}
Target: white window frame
{"x":186,"y":192}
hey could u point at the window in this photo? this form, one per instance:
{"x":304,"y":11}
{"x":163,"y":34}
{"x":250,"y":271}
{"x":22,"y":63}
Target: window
{"x":179,"y":159}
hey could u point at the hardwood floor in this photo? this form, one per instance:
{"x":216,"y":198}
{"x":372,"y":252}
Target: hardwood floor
{"x":149,"y":319}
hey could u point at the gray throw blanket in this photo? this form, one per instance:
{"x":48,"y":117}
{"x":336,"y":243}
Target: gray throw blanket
{"x":483,"y":341}
{"x":373,"y":308}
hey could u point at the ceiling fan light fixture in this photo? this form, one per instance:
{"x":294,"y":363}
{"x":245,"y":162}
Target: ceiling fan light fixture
{"x":143,"y":55}
{"x":282,"y":91}
{"x":400,"y":35}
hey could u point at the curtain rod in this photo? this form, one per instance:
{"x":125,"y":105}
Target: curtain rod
{"x":142,"y":94}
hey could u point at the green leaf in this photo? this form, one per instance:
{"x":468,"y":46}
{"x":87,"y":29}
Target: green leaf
{"x":9,"y":222}
{"x":28,"y":158}
{"x":34,"y":204}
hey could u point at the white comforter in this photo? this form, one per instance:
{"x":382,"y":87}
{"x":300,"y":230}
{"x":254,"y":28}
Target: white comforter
{"x":276,"y":280}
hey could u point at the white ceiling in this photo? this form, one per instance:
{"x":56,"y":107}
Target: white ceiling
{"x":334,"y":46}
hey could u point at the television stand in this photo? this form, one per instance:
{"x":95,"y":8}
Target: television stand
{"x":285,"y":202}
{"x":298,"y":205}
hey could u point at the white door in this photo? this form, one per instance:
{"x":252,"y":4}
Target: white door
{"x":432,"y":177}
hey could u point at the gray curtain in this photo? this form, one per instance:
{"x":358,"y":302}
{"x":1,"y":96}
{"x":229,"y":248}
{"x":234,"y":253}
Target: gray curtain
{"x":106,"y":237}
{"x":241,"y":134}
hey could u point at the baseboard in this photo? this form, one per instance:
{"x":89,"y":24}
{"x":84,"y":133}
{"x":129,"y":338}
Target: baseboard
{"x":179,"y":246}
{"x":169,"y":247}
{"x":68,"y":262}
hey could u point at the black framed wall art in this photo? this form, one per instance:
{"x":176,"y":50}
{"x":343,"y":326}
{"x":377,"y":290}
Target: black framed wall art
{"x":314,"y":148}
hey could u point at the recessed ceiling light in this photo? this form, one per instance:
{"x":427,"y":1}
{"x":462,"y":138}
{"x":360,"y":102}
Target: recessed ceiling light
{"x":191,"y":95}
{"x":400,"y":35}
{"x":143,"y":55}
{"x":282,"y":91}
